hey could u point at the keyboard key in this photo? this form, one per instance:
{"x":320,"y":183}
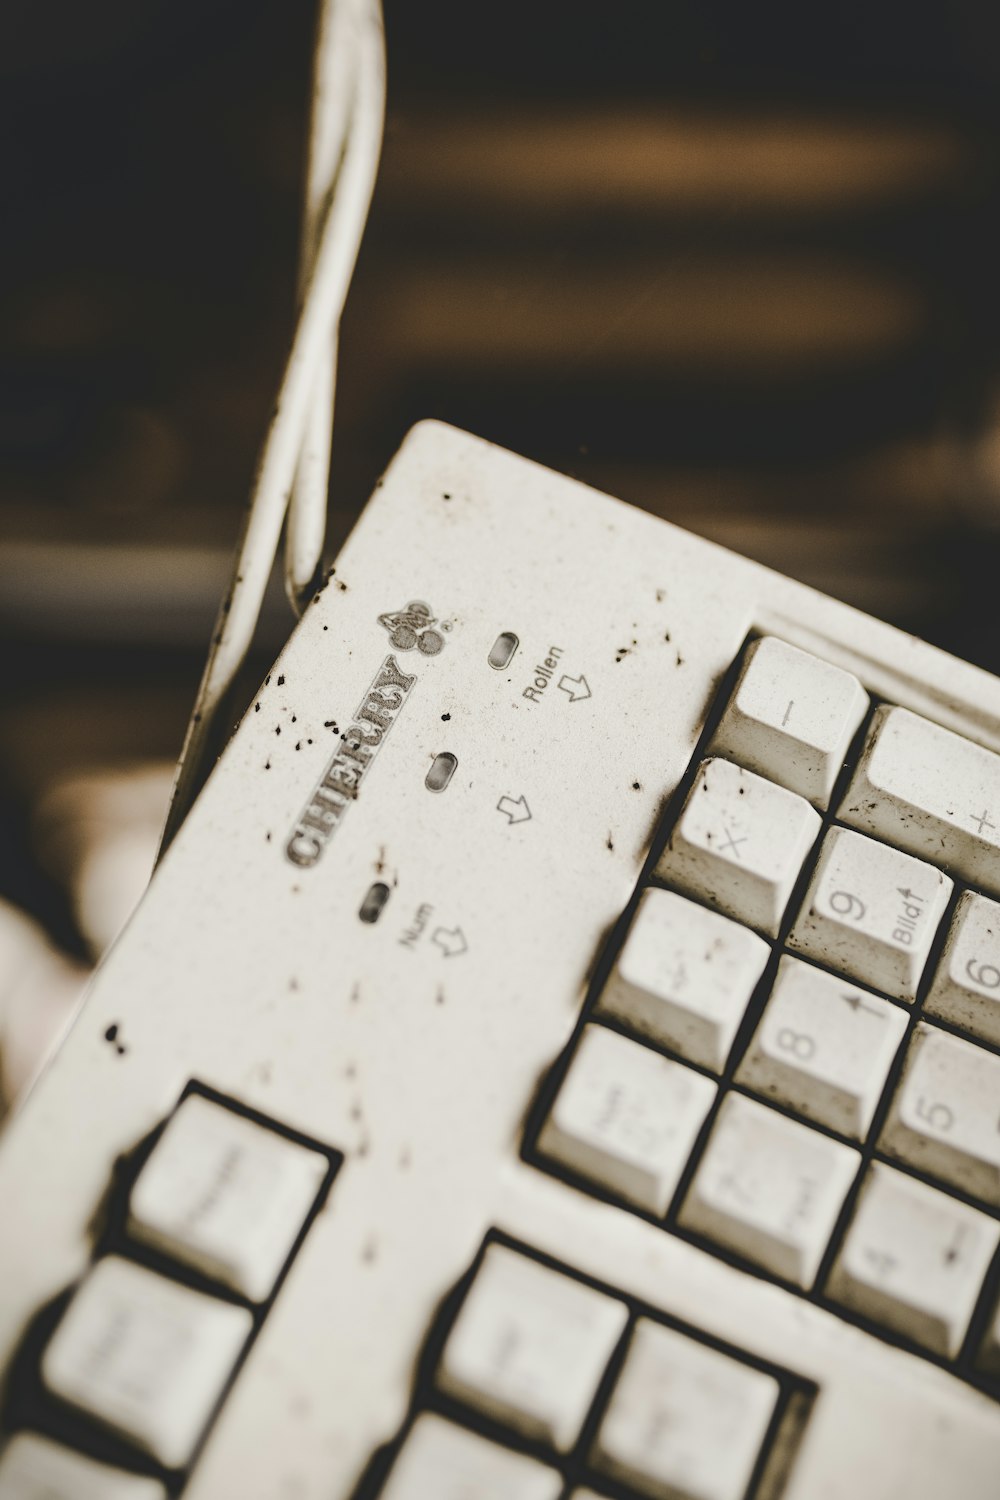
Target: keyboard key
{"x":439,"y":1461}
{"x":769,"y":1188}
{"x":35,"y":1468}
{"x":792,"y":718}
{"x":945,"y":1112}
{"x":966,"y":987}
{"x":684,"y":977}
{"x":684,"y":1420}
{"x":930,"y":791}
{"x":823,"y":1047}
{"x":225,"y":1195}
{"x":530,"y":1346}
{"x":914,"y":1260}
{"x":626,"y":1118}
{"x":988,"y":1358}
{"x":739,"y":844}
{"x":145,"y":1356}
{"x":871,"y":912}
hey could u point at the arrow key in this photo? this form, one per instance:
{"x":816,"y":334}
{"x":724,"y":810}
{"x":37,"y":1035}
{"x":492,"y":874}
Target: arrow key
{"x":684,"y":977}
{"x":823,"y":1048}
{"x":914,"y":1260}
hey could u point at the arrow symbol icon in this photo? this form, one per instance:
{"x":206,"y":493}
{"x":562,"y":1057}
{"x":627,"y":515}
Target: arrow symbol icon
{"x":856,"y":1003}
{"x":451,"y":941}
{"x":517,"y":812}
{"x":577,"y":687}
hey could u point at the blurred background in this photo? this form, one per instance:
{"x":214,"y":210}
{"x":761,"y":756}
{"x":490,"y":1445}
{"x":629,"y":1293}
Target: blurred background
{"x":734,"y":263}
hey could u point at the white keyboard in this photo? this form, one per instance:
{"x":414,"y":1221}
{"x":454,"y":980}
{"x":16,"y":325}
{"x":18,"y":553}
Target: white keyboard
{"x":558,"y":1059}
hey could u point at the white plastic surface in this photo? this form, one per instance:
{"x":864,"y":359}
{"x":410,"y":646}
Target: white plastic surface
{"x":944,"y":1115}
{"x":914,"y":1259}
{"x":33,"y":1467}
{"x":823,"y":1047}
{"x":416,"y":1044}
{"x":931,"y":792}
{"x":225,"y":1195}
{"x":530,"y":1346}
{"x":627,"y":1118}
{"x":739,"y":844}
{"x":871,"y":912}
{"x":791,"y":718}
{"x":684,"y":1420}
{"x":769,"y":1188}
{"x":441,"y":1460}
{"x":145,"y":1356}
{"x":684,"y":977}
{"x":966,"y":987}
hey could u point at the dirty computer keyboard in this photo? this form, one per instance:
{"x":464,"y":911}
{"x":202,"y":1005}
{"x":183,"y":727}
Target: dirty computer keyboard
{"x":558,"y":1058}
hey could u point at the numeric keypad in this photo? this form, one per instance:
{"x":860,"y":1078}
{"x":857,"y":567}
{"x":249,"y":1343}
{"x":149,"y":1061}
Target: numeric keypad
{"x":826,"y":1070}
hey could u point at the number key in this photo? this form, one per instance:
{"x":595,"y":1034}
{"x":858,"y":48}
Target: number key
{"x":945,"y":1116}
{"x":871,"y":912}
{"x":529,"y":1347}
{"x":966,"y":988}
{"x":684,"y":977}
{"x":627,"y":1118}
{"x":914,"y":1260}
{"x":823,"y":1047}
{"x":769,"y":1188}
{"x":33,"y":1467}
{"x":144,"y":1356}
{"x":442,"y":1459}
{"x":684,"y":1421}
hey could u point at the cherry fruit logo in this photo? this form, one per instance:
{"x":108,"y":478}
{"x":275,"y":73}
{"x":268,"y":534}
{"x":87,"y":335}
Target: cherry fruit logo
{"x":413,"y":627}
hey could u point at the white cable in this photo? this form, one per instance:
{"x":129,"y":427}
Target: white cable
{"x":323,"y":295}
{"x":332,"y":95}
